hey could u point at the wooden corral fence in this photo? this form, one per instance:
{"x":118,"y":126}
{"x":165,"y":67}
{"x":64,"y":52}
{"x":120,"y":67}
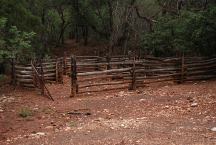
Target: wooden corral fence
{"x":38,"y":73}
{"x":39,"y":78}
{"x":94,"y":75}
{"x":50,"y":69}
{"x":94,"y":60}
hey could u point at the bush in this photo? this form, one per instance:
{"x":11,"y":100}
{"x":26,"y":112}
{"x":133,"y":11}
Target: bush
{"x":15,"y":43}
{"x":191,"y":32}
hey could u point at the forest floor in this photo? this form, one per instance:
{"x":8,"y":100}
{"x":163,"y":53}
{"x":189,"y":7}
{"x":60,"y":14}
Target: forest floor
{"x":159,"y":114}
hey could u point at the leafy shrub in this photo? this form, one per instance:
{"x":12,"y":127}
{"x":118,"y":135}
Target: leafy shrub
{"x":15,"y":43}
{"x":191,"y":32}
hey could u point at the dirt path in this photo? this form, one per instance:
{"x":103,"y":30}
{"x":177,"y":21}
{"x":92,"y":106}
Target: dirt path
{"x":155,"y":115}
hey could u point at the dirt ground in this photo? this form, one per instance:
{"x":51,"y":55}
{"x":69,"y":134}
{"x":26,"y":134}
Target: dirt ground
{"x":160,"y":114}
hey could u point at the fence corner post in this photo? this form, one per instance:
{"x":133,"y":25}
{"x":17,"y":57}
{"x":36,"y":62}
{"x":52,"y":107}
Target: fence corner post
{"x":74,"y":86}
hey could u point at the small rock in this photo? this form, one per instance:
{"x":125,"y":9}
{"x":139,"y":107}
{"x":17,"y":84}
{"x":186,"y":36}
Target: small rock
{"x":67,"y":128}
{"x":166,"y":107}
{"x":106,"y":110}
{"x":98,"y":120}
{"x":213,"y":129}
{"x":194,"y":104}
{"x":190,"y":99}
{"x":41,"y":134}
{"x":57,"y":130}
{"x":139,"y":92}
{"x":49,"y":127}
{"x":142,"y":100}
{"x":33,"y":132}
{"x":35,"y":108}
{"x":121,"y":94}
{"x":112,"y":128}
{"x":1,"y":110}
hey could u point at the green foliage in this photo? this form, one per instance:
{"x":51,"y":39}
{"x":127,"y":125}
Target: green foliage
{"x":25,"y":112}
{"x":191,"y":32}
{"x":15,"y":43}
{"x":40,"y":16}
{"x":2,"y":22}
{"x":18,"y":40}
{"x":2,"y":25}
{"x":115,"y":22}
{"x":72,"y":124}
{"x":19,"y":14}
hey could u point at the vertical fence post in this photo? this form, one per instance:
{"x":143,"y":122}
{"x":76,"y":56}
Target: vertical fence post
{"x":133,"y":84}
{"x":65,"y":64}
{"x":97,"y":67}
{"x":57,"y":71}
{"x":42,"y":78}
{"x":34,"y":75}
{"x":74,"y":86}
{"x":108,"y":58}
{"x":182,"y":69}
{"x":13,"y":72}
{"x":61,"y":70}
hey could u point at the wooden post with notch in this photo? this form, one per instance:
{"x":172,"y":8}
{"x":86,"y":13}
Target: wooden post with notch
{"x":74,"y":86}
